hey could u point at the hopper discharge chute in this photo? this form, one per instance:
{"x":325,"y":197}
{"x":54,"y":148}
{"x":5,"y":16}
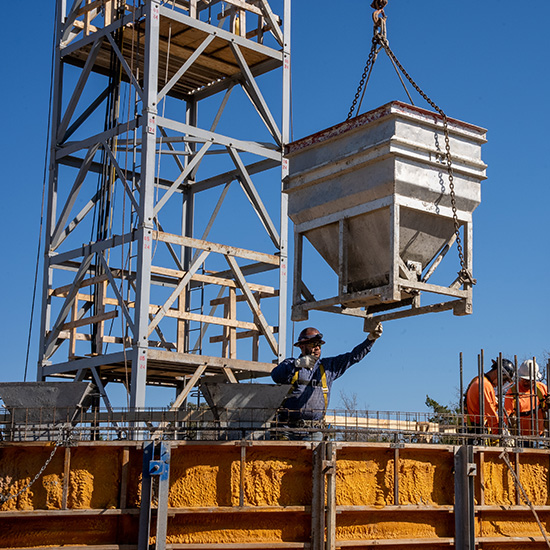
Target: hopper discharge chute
{"x":372,"y":197}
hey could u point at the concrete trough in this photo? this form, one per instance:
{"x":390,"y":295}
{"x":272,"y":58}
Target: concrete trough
{"x":44,"y":403}
{"x":244,"y":405}
{"x":373,"y":192}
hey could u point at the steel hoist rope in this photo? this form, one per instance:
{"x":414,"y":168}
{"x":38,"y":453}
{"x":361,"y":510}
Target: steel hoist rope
{"x":380,"y":41}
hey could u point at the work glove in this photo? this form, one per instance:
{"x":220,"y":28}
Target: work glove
{"x":376,"y":332}
{"x":307,"y":361}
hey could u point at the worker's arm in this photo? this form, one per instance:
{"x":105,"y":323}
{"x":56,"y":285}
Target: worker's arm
{"x":341,"y":363}
{"x":284,"y":371}
{"x":491,"y":406}
{"x":509,"y":403}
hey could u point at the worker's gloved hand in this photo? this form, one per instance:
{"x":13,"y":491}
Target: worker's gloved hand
{"x":376,"y":332}
{"x":306,"y":361}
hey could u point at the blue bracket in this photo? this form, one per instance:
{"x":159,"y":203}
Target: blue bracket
{"x":161,"y":467}
{"x":157,"y":467}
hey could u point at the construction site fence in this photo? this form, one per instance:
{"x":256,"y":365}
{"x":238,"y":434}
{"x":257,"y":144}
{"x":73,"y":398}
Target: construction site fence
{"x":65,"y":425}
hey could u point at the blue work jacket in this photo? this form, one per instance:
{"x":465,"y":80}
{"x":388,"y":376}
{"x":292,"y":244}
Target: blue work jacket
{"x":306,"y":401}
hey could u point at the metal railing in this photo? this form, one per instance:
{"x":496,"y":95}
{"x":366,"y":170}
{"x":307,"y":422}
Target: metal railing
{"x":49,"y":424}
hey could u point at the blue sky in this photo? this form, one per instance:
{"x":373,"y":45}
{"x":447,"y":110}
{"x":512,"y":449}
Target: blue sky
{"x":484,"y":64}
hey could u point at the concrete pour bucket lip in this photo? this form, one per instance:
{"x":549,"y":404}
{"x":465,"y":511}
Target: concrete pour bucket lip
{"x":476,"y":133}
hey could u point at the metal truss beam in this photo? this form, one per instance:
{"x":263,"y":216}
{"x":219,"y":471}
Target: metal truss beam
{"x":254,"y":198}
{"x":255,"y":95}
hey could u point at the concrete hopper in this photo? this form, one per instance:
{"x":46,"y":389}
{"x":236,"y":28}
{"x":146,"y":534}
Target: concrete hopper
{"x":244,"y":405}
{"x":372,"y":197}
{"x":45,"y":402}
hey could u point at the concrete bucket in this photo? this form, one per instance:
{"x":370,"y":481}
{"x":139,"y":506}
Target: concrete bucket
{"x":372,"y":197}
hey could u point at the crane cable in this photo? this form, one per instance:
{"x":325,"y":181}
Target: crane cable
{"x":380,"y":41}
{"x":44,"y":187}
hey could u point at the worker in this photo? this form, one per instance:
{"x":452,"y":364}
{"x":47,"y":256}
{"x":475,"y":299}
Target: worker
{"x":530,"y":398}
{"x":490,"y":422}
{"x":311,"y":378}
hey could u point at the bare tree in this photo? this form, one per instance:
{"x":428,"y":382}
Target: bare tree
{"x":350,"y":401}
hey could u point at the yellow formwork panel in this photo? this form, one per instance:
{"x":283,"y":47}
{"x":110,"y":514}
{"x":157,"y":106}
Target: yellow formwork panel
{"x":278,"y":476}
{"x":31,"y":532}
{"x":239,"y":528}
{"x":426,"y":477}
{"x":93,"y":482}
{"x":365,"y":476}
{"x":200,"y":477}
{"x":19,"y":464}
{"x":262,"y":493}
{"x":518,"y":524}
{"x":402,"y":524}
{"x":533,"y":470}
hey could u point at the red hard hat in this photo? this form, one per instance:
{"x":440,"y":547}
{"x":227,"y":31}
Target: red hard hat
{"x":309,"y":334}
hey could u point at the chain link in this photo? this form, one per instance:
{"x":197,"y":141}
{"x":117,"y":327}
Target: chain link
{"x":464,"y":274}
{"x":6,"y":498}
{"x":370,"y":61}
{"x":379,"y":38}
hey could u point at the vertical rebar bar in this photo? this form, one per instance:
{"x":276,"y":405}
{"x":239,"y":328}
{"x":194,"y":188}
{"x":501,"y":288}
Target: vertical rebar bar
{"x":482,"y":403}
{"x":242,"y":473}
{"x":500,"y":399}
{"x":547,"y":410}
{"x":480,"y":388}
{"x":532,"y":399}
{"x":461,"y":392}
{"x":518,"y":431}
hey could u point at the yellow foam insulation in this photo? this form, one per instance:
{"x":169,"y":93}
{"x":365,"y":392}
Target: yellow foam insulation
{"x":239,"y":528}
{"x":210,"y":476}
{"x":499,"y":483}
{"x":280,"y":477}
{"x":516,"y":524}
{"x":426,"y":477}
{"x":94,"y":480}
{"x":56,"y":532}
{"x":201,"y":475}
{"x":533,"y":474}
{"x":19,"y":465}
{"x":364,"y":478}
{"x":394,"y":525}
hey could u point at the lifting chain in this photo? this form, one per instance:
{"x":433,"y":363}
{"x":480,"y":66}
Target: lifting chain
{"x":62,"y":438}
{"x":379,"y":19}
{"x":379,"y":40}
{"x":364,"y":77}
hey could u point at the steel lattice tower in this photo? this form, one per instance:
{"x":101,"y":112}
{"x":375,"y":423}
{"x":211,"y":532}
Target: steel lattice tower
{"x":166,"y":231}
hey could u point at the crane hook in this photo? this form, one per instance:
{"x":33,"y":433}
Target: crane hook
{"x":379,"y":16}
{"x":378,"y":6}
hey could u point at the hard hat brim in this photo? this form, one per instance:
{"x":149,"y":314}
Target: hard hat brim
{"x":309,"y":341}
